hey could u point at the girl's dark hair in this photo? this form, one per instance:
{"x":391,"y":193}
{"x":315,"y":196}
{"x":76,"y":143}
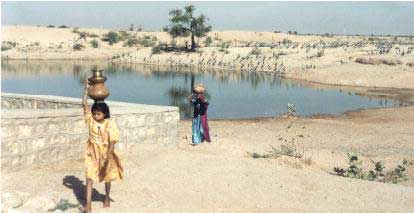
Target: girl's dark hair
{"x":101,"y":107}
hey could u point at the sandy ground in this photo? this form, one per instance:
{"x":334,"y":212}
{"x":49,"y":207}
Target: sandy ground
{"x":295,"y":56}
{"x":222,"y":177}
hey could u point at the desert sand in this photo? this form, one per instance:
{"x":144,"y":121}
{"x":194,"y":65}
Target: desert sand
{"x":222,"y":176}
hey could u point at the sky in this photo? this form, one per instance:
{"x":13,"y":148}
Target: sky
{"x":379,"y":18}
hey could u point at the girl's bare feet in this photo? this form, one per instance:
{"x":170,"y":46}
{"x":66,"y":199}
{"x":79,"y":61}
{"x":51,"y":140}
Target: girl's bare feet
{"x":106,"y":203}
{"x":85,"y":209}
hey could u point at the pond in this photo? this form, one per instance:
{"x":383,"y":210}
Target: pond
{"x":233,"y":95}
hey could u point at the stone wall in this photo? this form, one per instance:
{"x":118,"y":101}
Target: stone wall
{"x":37,"y":130}
{"x":23,"y":102}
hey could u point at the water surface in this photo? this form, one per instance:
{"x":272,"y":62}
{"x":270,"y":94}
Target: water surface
{"x":231,"y":94}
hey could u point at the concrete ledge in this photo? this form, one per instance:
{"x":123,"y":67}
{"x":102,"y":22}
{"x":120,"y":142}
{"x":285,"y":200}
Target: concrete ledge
{"x":34,"y":125}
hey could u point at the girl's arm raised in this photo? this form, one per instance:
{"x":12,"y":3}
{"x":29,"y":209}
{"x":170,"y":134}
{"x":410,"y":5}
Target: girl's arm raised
{"x":85,"y":98}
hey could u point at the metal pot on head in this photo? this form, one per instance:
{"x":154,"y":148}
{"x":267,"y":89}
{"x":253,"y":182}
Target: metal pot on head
{"x":97,"y":91}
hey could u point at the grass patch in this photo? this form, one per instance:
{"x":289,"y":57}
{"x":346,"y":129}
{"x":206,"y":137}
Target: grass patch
{"x":64,"y":205}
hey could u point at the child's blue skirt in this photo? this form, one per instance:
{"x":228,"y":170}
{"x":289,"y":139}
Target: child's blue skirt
{"x":197,"y":130}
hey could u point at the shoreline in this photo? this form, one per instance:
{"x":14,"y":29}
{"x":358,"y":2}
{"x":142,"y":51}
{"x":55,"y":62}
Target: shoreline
{"x":313,"y":58}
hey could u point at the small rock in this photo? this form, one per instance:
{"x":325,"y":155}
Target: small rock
{"x":11,"y":200}
{"x":39,"y":203}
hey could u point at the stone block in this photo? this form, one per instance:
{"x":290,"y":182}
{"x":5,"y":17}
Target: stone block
{"x":10,"y":147}
{"x":150,"y":120}
{"x":151,"y":131}
{"x":168,"y":118}
{"x":25,"y":130}
{"x":8,"y":131}
{"x":39,"y":143}
{"x":16,"y":161}
{"x":30,"y":159}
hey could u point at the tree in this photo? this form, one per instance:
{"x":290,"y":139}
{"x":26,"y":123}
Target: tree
{"x":184,"y":24}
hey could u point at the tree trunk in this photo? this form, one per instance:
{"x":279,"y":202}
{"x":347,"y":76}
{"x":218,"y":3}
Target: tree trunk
{"x":193,"y":44}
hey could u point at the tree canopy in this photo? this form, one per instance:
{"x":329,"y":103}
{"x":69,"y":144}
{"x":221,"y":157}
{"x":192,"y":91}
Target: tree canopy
{"x":184,"y":24}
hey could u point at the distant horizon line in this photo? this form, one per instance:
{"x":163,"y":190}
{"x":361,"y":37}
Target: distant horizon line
{"x":275,"y":31}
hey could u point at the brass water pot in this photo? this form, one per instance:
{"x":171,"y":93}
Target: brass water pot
{"x":97,"y":91}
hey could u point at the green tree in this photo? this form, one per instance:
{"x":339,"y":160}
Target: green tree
{"x":184,"y":24}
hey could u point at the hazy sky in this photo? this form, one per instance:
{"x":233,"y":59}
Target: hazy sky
{"x":395,"y":18}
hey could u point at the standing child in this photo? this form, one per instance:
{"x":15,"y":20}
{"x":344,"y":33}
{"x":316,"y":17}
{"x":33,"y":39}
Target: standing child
{"x":199,"y":125}
{"x":101,"y":161}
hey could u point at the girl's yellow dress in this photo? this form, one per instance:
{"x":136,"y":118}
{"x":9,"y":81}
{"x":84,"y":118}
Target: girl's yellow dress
{"x":97,"y":168}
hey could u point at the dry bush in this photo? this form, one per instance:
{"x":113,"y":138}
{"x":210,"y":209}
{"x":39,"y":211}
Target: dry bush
{"x":391,"y":61}
{"x":410,"y":64}
{"x":378,"y":61}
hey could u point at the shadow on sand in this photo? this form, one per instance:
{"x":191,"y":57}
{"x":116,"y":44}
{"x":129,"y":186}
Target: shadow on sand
{"x":79,"y":188}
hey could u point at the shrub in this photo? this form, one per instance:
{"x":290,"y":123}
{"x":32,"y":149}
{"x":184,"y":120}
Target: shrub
{"x":377,"y":61}
{"x":63,"y":26}
{"x":398,"y":174}
{"x":157,"y":49}
{"x":256,"y":155}
{"x":77,"y":47}
{"x":354,"y":171}
{"x":225,"y":51}
{"x":131,"y":42}
{"x":174,"y":43}
{"x":63,"y":205}
{"x":94,"y":43}
{"x":148,"y":41}
{"x":225,"y":44}
{"x":111,"y":37}
{"x":208,"y":41}
{"x":75,"y":30}
{"x":256,"y":51}
{"x":82,"y":35}
{"x":7,"y":45}
{"x":123,"y":35}
{"x":376,"y":174}
{"x":286,"y":41}
{"x":288,"y":149}
{"x":320,"y":53}
{"x":92,"y":35}
{"x":50,"y":26}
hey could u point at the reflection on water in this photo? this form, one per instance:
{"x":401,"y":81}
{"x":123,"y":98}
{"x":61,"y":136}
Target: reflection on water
{"x":231,"y":94}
